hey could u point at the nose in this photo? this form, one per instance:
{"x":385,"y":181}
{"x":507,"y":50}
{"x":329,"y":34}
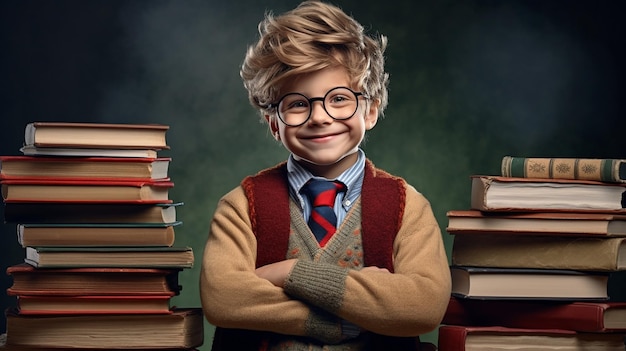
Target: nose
{"x":318,"y":113}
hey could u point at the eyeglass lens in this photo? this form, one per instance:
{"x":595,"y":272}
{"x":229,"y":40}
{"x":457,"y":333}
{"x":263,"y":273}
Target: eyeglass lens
{"x":340,"y":103}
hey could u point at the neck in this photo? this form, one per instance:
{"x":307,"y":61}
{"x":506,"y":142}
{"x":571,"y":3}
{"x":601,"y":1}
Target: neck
{"x":330,"y":171}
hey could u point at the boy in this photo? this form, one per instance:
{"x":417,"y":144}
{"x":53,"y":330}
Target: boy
{"x":377,"y":276}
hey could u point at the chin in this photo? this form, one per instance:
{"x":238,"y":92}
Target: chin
{"x":324,"y":161}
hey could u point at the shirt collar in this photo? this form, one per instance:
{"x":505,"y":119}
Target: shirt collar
{"x":352,"y":178}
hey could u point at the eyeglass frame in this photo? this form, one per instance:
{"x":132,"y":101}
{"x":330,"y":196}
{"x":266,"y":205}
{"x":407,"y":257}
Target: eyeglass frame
{"x":274,"y":105}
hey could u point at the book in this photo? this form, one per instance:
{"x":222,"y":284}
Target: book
{"x":585,"y":316}
{"x":495,"y":193}
{"x":29,"y":280}
{"x":85,"y":190}
{"x":97,"y":304}
{"x":539,"y":252}
{"x":546,"y":284}
{"x":147,"y":257}
{"x":102,"y":168}
{"x":89,"y":234}
{"x":72,"y":213}
{"x":33,"y":348}
{"x":495,"y":338}
{"x":604,"y":170}
{"x":87,"y":152}
{"x":96,"y":135}
{"x":536,"y":223}
{"x":182,"y":329}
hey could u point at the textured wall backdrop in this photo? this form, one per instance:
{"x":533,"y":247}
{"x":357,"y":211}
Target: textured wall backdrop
{"x":471,"y":81}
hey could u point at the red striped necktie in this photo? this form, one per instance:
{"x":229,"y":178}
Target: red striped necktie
{"x":321,"y":194}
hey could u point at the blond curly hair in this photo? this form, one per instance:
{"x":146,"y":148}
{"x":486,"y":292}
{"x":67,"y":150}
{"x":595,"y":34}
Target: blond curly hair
{"x":309,"y":38}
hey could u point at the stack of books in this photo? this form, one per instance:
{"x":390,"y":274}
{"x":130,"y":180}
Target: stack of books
{"x":91,"y":206}
{"x":539,"y":258}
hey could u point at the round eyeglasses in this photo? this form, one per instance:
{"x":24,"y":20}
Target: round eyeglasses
{"x":294,"y":109}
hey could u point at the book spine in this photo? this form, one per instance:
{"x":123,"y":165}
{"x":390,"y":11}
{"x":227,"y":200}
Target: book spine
{"x":451,"y":338}
{"x":505,"y":251}
{"x":577,"y":316}
{"x":604,"y":170}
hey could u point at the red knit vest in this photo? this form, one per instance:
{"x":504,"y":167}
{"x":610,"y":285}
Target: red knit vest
{"x":382,"y":207}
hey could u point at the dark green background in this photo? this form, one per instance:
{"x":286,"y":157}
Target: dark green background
{"x":471,"y":81}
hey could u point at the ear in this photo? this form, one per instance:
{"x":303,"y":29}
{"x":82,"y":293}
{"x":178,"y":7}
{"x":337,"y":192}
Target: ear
{"x":273,"y":124}
{"x":371,"y":115}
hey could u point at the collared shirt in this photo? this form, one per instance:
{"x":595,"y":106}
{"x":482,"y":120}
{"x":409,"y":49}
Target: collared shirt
{"x":351,"y":177}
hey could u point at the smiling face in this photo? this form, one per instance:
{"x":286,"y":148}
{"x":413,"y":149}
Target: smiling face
{"x":323,"y":145}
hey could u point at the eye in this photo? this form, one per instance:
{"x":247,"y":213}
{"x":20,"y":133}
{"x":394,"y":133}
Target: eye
{"x":298,"y":104}
{"x":339,"y":99}
{"x":294,"y":103}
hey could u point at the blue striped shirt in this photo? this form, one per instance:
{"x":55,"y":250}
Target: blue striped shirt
{"x":351,"y":177}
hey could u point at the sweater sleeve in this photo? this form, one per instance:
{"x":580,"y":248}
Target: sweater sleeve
{"x":408,"y":302}
{"x":233,"y":296}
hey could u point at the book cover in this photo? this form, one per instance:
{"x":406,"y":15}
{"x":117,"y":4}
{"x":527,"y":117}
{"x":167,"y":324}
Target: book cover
{"x":546,"y":284}
{"x":539,"y":252}
{"x":91,"y":234}
{"x":31,"y":150}
{"x":148,"y":257}
{"x":85,"y":190}
{"x":29,"y":280}
{"x":96,"y":304}
{"x":182,"y":329}
{"x":72,"y":213}
{"x":100,"y":168}
{"x":494,"y":193}
{"x":585,"y":316}
{"x":467,"y":338}
{"x":96,"y":135}
{"x":536,"y":223}
{"x":599,"y":169}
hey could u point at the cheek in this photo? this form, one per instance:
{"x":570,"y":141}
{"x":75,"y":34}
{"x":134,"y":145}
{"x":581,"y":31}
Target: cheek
{"x":370,"y":116}
{"x":284,"y":132}
{"x":362,"y":122}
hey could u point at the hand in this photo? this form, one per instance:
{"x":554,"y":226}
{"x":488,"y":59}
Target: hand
{"x":276,"y":272}
{"x":375,"y":269}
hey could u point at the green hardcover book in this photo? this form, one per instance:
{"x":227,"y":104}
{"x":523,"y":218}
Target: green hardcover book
{"x":598,"y":169}
{"x":146,"y":257}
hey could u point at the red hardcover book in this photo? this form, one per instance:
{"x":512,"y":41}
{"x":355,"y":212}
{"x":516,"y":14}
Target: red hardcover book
{"x":28,"y":280}
{"x":467,"y":338}
{"x":584,"y":316}
{"x":100,"y":168}
{"x":98,"y":304}
{"x":85,"y":191}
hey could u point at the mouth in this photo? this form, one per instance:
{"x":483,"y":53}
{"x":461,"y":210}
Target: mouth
{"x":320,"y":137}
